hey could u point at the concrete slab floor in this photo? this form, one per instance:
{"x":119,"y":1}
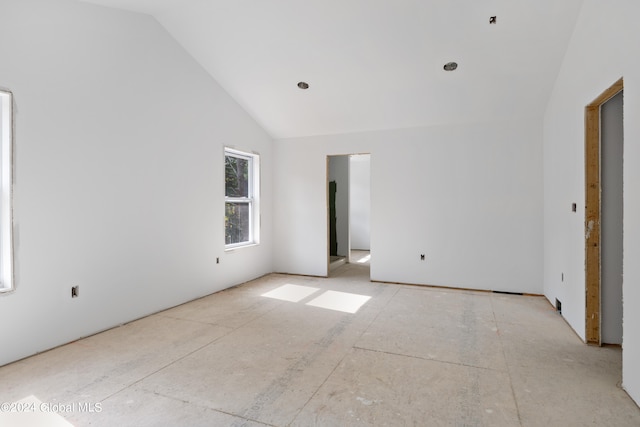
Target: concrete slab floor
{"x":267,"y":353}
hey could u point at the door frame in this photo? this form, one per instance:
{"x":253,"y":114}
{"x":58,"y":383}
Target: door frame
{"x":592,"y":221}
{"x":347,"y":257}
{"x":328,"y":156}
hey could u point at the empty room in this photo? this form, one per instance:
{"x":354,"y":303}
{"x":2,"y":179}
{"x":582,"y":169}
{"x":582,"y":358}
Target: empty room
{"x":319,"y":213}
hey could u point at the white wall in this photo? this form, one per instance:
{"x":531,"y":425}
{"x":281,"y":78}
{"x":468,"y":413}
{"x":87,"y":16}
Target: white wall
{"x":603,"y":49}
{"x":468,"y":196}
{"x":339,"y":172}
{"x":360,"y":201}
{"x":119,"y":173}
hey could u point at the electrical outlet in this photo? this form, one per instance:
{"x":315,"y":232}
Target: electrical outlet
{"x":74,"y":291}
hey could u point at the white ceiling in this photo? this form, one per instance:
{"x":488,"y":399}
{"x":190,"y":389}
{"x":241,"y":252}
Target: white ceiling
{"x":373,"y":64}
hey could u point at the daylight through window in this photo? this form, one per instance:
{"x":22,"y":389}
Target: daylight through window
{"x":241,"y":217}
{"x":6,"y":174}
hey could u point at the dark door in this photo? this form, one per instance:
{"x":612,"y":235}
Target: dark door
{"x":333,"y":234}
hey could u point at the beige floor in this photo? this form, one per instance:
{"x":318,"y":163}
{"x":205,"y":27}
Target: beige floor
{"x":287,"y":350}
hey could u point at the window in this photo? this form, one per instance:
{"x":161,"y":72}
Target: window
{"x":241,"y":210}
{"x":6,"y":174}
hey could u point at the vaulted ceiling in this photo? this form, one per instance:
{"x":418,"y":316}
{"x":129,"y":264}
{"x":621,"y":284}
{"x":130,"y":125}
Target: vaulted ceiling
{"x":373,"y":64}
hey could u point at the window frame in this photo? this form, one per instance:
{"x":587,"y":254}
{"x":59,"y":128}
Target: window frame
{"x":252,"y":199}
{"x":6,"y":189}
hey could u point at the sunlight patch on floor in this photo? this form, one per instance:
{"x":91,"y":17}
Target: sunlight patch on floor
{"x":340,"y":301}
{"x":291,"y":293}
{"x":31,"y":412}
{"x":331,"y":300}
{"x":364,"y":259}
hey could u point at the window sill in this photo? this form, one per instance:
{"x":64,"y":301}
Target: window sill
{"x":240,"y":246}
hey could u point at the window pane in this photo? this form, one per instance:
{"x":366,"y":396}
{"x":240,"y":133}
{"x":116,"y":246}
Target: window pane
{"x":236,"y":176}
{"x":6,"y":248}
{"x":236,"y":221}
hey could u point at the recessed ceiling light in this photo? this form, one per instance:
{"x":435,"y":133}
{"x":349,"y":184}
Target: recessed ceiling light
{"x":450,"y":66}
{"x":303,"y":85}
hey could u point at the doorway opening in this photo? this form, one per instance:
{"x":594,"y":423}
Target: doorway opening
{"x":348,"y":210}
{"x":603,"y":216}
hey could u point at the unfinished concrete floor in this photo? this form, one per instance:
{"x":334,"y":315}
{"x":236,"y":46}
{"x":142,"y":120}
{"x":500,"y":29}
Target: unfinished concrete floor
{"x":288,"y":350}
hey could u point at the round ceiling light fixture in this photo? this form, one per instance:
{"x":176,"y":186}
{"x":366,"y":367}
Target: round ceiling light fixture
{"x":303,"y":85}
{"x":450,"y":66}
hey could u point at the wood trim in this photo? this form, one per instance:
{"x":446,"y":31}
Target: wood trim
{"x":593,"y":213}
{"x":592,"y":224}
{"x":607,"y":94}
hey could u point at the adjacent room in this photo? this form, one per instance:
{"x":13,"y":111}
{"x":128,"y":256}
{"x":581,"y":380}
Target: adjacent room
{"x":273,"y":213}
